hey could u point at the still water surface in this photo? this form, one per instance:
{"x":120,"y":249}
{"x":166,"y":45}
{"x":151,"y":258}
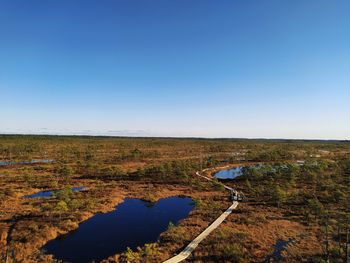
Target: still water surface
{"x":2,"y":163}
{"x":133,"y":223}
{"x":50,"y":193}
{"x":229,"y":173}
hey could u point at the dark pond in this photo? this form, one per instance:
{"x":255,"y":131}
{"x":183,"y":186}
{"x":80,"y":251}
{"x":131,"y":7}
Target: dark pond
{"x":50,"y":193}
{"x":2,"y":163}
{"x":133,"y":223}
{"x":279,"y":247}
{"x":229,"y":173}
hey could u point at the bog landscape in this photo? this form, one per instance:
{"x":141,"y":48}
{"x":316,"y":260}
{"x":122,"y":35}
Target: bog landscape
{"x":101,"y":199}
{"x":167,"y":131}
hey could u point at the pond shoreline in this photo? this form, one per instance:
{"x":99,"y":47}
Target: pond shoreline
{"x":135,"y":223}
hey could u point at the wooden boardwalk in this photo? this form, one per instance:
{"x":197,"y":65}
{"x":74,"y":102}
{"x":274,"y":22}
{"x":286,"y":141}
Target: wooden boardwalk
{"x":195,"y":242}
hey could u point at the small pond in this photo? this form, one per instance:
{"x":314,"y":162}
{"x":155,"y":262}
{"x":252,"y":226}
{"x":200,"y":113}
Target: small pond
{"x":235,"y":172}
{"x":3,"y":163}
{"x":133,"y":223}
{"x":50,"y":193}
{"x":279,"y":247}
{"x":229,"y":173}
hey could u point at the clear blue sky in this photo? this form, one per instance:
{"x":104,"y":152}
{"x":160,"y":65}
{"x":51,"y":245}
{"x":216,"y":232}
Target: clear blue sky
{"x":248,"y":68}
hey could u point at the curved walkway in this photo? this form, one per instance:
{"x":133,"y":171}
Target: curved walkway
{"x":192,"y":246}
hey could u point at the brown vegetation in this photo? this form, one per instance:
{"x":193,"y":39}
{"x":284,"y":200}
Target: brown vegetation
{"x":306,"y":203}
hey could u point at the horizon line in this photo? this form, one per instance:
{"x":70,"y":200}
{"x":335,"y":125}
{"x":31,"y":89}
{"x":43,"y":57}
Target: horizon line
{"x":169,"y":137}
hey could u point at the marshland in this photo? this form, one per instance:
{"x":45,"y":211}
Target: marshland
{"x":135,"y":199}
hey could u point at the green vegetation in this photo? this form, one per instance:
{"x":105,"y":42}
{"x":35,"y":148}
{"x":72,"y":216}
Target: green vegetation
{"x":310,"y":197}
{"x":316,"y":190}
